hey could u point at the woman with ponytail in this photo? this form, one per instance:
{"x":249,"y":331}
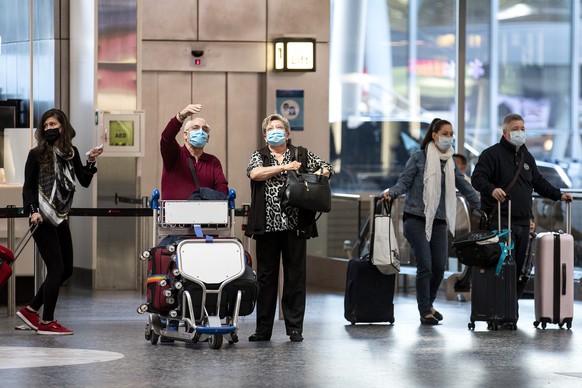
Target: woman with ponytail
{"x":429,"y":180}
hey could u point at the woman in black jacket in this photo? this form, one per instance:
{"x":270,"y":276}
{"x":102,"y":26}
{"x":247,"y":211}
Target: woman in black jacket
{"x":280,"y":231}
{"x":49,"y":185}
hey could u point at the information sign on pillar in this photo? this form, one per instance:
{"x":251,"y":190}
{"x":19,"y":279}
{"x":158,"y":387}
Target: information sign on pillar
{"x":294,"y":54}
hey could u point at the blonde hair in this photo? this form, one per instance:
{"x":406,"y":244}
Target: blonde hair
{"x":275,"y":116}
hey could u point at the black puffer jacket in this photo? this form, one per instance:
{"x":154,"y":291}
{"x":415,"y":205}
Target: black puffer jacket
{"x":496,"y":167}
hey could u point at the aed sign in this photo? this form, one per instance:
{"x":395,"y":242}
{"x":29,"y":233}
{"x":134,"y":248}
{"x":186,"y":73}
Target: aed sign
{"x":294,"y":54}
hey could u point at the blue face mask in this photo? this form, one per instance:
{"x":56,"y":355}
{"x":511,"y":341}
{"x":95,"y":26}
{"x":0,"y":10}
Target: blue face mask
{"x":198,"y":138}
{"x":276,"y":137}
{"x":445,"y":142}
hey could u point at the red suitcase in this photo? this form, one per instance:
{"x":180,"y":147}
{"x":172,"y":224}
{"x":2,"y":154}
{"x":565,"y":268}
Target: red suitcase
{"x":7,"y":257}
{"x":554,"y":277}
{"x":162,"y":283}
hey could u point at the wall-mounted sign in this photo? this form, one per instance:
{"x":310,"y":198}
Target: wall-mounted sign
{"x":294,"y":54}
{"x":290,"y":106}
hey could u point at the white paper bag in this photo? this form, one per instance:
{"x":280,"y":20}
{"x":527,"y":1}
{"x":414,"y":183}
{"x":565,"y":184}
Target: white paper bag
{"x":384,"y":251}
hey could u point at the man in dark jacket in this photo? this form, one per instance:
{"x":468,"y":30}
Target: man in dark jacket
{"x":494,"y":176}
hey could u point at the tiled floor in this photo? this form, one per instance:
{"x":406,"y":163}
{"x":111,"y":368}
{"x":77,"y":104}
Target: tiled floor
{"x":109,"y":350}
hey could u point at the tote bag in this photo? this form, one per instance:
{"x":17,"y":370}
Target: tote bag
{"x":384,"y":249}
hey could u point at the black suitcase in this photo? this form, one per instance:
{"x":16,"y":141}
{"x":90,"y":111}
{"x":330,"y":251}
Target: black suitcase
{"x":369,"y":294}
{"x":494,"y":298}
{"x":247,"y":283}
{"x":494,"y":295}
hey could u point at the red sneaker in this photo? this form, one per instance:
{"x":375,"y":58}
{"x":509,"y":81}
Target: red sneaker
{"x":28,"y":317}
{"x":53,"y":328}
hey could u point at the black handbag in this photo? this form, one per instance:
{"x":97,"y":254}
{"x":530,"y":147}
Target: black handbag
{"x":307,"y":191}
{"x":479,"y":248}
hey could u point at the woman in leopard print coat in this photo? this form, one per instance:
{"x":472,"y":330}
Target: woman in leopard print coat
{"x":279,"y":230}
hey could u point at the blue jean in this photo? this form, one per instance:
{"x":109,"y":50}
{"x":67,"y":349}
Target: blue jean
{"x":431,"y":259}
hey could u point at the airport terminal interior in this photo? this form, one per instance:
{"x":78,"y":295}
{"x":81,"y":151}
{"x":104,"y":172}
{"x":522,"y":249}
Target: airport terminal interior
{"x":359,"y":82}
{"x":108,"y":349}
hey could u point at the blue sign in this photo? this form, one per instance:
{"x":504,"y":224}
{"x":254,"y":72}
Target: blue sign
{"x":290,"y":106}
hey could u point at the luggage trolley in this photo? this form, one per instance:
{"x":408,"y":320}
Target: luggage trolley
{"x":209,"y":283}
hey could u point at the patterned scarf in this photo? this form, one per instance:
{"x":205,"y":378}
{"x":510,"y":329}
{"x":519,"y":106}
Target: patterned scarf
{"x":56,"y":188}
{"x":431,"y":195}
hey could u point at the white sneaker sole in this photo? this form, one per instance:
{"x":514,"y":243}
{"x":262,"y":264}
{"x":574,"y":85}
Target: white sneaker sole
{"x":41,"y":332}
{"x":23,"y":318}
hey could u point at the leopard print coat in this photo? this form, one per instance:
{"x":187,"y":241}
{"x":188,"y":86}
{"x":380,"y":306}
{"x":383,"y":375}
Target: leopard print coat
{"x":266,"y":213}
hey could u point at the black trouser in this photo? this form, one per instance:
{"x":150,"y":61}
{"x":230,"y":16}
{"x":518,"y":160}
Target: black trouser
{"x":270,"y":248}
{"x":520,"y":240}
{"x":520,"y":236}
{"x":56,"y":248}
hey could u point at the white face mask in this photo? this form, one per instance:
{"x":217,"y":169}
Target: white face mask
{"x":445,"y":143}
{"x":517,"y":138}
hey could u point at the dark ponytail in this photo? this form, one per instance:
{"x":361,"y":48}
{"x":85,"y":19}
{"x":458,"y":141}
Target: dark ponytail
{"x":434,"y":127}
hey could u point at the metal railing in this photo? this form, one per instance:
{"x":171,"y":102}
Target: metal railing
{"x":347,"y":220}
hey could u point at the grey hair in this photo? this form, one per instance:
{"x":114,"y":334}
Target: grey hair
{"x":275,"y":116}
{"x":187,"y":124}
{"x":509,"y":118}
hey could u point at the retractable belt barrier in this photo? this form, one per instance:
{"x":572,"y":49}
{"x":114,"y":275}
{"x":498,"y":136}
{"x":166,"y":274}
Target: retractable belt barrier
{"x":18,"y":212}
{"x":12,"y":212}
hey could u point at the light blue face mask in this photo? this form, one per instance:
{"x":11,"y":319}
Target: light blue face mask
{"x":517,"y":138}
{"x":445,"y":142}
{"x":198,"y":138}
{"x":276,"y":137}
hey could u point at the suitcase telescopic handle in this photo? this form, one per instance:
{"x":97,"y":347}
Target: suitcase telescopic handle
{"x":20,"y":247}
{"x":569,"y":217}
{"x":508,"y":220}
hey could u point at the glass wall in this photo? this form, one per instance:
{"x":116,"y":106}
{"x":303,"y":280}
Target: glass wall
{"x":21,"y":84}
{"x":399,"y":73}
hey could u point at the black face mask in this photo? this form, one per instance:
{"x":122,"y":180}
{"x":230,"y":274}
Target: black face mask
{"x":52,"y":135}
